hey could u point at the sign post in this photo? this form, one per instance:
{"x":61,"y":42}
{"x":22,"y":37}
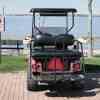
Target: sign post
{"x":90,"y":28}
{"x":0,"y":47}
{"x":2,"y":28}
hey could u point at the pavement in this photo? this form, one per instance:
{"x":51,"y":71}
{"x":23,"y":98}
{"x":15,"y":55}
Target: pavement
{"x":13,"y":87}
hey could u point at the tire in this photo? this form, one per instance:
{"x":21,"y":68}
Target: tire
{"x":32,"y":84}
{"x":77,"y":85}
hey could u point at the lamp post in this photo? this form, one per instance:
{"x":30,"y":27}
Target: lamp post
{"x":90,"y":28}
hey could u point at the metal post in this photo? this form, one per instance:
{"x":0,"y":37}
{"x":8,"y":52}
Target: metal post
{"x":90,"y":28}
{"x":2,"y":30}
{"x":0,"y":48}
{"x":67,"y":23}
{"x":18,"y":48}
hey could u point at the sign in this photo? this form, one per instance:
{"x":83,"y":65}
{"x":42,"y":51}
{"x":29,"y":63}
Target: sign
{"x":2,"y":24}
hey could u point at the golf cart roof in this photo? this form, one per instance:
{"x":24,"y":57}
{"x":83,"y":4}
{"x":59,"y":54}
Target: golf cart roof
{"x":53,"y":11}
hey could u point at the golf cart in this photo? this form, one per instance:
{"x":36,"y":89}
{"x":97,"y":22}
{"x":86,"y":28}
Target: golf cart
{"x":54,"y":57}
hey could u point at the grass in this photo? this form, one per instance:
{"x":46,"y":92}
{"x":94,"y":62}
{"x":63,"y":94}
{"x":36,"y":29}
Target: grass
{"x":92,"y":64}
{"x":12,"y":64}
{"x":93,"y":61}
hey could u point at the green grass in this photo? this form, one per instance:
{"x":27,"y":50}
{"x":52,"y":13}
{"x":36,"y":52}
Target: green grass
{"x":92,"y":64}
{"x":93,"y":61}
{"x":12,"y":64}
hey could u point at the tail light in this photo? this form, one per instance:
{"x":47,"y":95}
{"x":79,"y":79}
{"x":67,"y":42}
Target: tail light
{"x":75,"y":66}
{"x":36,"y":66}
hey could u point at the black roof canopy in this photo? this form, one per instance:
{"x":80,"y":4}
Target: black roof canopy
{"x":53,"y":11}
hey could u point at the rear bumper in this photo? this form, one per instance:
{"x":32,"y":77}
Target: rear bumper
{"x":54,"y":77}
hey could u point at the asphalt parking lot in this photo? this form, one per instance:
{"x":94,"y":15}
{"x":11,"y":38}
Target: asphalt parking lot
{"x":13,"y":87}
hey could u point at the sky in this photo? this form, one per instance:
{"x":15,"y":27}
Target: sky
{"x":23,"y":6}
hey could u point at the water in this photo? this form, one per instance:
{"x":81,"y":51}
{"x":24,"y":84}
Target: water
{"x":16,"y":27}
{"x":12,"y":46}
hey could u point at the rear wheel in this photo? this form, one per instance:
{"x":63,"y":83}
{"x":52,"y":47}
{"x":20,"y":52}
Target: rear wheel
{"x":32,"y":84}
{"x":77,"y":85}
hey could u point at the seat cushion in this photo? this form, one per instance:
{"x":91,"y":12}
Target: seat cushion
{"x":67,"y":39}
{"x":43,"y":39}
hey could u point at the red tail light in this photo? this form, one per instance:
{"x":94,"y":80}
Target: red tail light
{"x":36,"y":66}
{"x":75,"y":66}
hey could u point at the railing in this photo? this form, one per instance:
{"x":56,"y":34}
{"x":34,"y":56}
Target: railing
{"x":11,"y":50}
